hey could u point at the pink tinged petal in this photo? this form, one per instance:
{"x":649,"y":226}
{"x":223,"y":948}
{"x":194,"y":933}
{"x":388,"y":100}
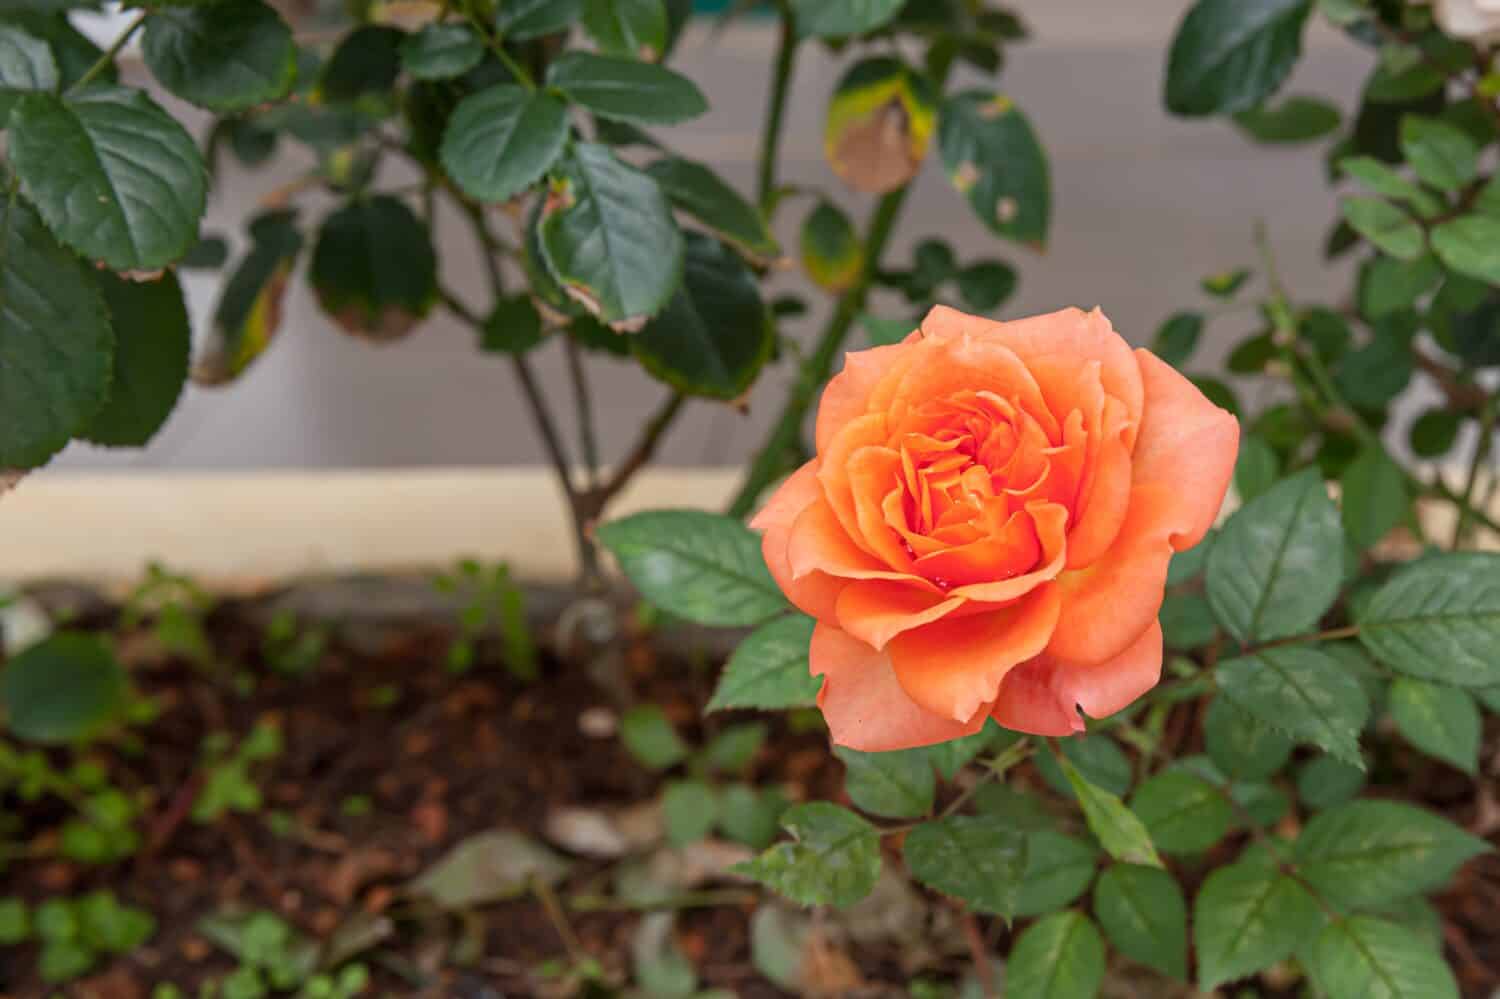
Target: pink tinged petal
{"x":865,"y":707}
{"x":1186,"y":444}
{"x":955,"y":666}
{"x":1043,"y":696}
{"x":813,"y":593}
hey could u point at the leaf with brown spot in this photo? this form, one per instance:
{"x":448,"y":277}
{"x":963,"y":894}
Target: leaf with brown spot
{"x":374,"y":269}
{"x":879,"y":126}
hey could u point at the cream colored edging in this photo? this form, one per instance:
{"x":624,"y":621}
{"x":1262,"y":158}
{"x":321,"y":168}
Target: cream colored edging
{"x":241,"y":530}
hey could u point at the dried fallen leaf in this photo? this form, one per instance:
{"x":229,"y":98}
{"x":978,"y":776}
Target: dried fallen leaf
{"x":489,"y":867}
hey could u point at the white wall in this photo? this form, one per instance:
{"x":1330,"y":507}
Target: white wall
{"x":1144,"y":205}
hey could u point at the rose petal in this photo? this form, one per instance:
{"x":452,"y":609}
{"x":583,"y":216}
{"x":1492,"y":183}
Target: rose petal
{"x":1187,"y":444}
{"x":954,"y":666}
{"x":865,"y":707}
{"x":1181,"y":467}
{"x":847,"y":394}
{"x":875,"y":611}
{"x":814,"y":592}
{"x":1043,"y":696}
{"x":966,"y":364}
{"x":1051,"y":522}
{"x":1054,"y":346}
{"x":819,"y":543}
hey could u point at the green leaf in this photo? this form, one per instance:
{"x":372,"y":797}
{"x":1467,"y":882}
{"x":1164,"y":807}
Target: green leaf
{"x":831,"y":251}
{"x":1120,"y":832}
{"x":1387,"y":227}
{"x":661,"y":968}
{"x":1439,"y":619}
{"x":1256,"y":469}
{"x":1387,"y":286}
{"x":651,"y":739}
{"x":1439,"y":720}
{"x":135,"y":188}
{"x":1144,"y":915}
{"x":26,"y":63}
{"x":992,"y":156}
{"x":638,"y":93}
{"x":611,"y":239}
{"x":1059,"y":957}
{"x":15,"y":921}
{"x":701,"y":566}
{"x":226,"y":57}
{"x":72,"y":51}
{"x":1188,"y":565}
{"x":690,"y":808}
{"x":1304,"y":693}
{"x":1225,"y":283}
{"x":833,"y":857}
{"x":734,"y":749}
{"x":1297,"y":119}
{"x":1369,"y":852}
{"x":1183,"y":813}
{"x":55,"y":338}
{"x":1373,"y":492}
{"x":1230,"y":55}
{"x":364,"y":65}
{"x":522,"y":20}
{"x":898,"y":785}
{"x":1470,"y":245}
{"x":249,"y":311}
{"x":1187,"y":622}
{"x":884,"y":332}
{"x":502,"y":140}
{"x":715,"y":335}
{"x":839,"y":18}
{"x":1381,"y":179}
{"x":441,"y":51}
{"x":63,"y":689}
{"x":514,"y":327}
{"x":636,"y":29}
{"x":769,"y":669}
{"x":1368,"y":958}
{"x":952,"y":756}
{"x":1097,"y":757}
{"x":64,"y":960}
{"x":977,"y":858}
{"x":1268,"y":572}
{"x":748,"y":816}
{"x":701,"y":193}
{"x":1248,"y":916}
{"x":152,"y":340}
{"x":1439,"y":153}
{"x":1241,"y":745}
{"x":1434,"y":433}
{"x":1176,"y":338}
{"x":986,"y":285}
{"x":1326,"y":781}
{"x":113,"y":927}
{"x":374,"y":269}
{"x":1058,"y":870}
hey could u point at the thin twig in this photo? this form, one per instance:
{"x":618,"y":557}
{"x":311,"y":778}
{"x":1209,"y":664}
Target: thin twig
{"x":108,"y":58}
{"x":583,"y":405}
{"x":639,"y":455}
{"x":544,"y":894}
{"x":770,"y":140}
{"x":1481,"y":455}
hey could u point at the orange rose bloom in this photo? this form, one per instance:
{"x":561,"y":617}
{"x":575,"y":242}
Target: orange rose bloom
{"x":986,"y":528}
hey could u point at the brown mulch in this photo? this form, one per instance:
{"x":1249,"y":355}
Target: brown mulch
{"x":450,"y":756}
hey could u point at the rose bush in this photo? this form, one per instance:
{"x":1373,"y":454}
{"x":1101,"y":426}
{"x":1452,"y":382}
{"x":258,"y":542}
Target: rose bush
{"x":986,"y":527}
